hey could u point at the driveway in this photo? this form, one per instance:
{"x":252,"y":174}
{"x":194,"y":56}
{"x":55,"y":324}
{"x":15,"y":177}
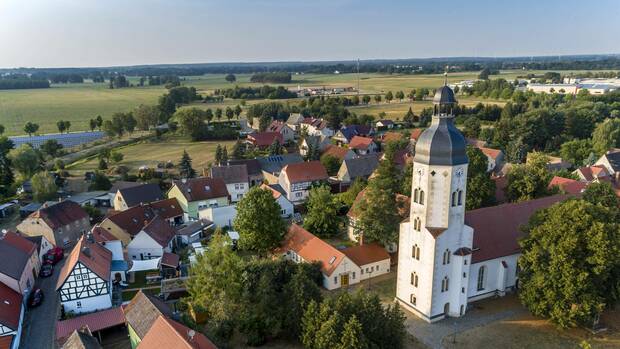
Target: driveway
{"x":39,"y":329}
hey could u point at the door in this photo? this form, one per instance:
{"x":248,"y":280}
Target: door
{"x":344,"y":280}
{"x":446,"y":309}
{"x":141,"y":256}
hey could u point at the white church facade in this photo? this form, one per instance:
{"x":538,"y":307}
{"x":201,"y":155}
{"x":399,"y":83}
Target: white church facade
{"x":448,"y":257}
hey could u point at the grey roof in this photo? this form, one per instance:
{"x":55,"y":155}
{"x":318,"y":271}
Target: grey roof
{"x":14,"y":260}
{"x":278,"y":188}
{"x":274,"y":164}
{"x":81,"y":340}
{"x":231,"y":173}
{"x":142,"y":312}
{"x":193,"y":226}
{"x":31,"y":207}
{"x":86,"y":196}
{"x":614,"y":160}
{"x":144,"y":193}
{"x":442,"y":143}
{"x":444,"y":95}
{"x":118,"y":185}
{"x":362,"y":166}
{"x":252,"y":165}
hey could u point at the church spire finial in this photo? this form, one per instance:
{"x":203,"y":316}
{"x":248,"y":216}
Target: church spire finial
{"x":445,"y":74}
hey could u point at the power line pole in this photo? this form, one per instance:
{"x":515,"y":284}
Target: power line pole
{"x":358,"y":76}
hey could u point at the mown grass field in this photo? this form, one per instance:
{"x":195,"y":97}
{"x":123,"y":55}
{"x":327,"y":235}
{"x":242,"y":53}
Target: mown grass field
{"x":80,"y":102}
{"x":150,"y":153}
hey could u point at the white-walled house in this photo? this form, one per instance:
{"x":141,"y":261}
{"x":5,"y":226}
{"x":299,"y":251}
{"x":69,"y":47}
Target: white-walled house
{"x":372,"y":259}
{"x":286,"y":206}
{"x":221,"y":216}
{"x":338,"y":270}
{"x":152,"y":241}
{"x":316,"y":127}
{"x":288,"y":133}
{"x":84,"y":284}
{"x":236,"y":179}
{"x":296,"y":179}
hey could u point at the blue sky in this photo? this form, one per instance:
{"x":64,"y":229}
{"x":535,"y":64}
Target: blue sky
{"x":63,"y":33}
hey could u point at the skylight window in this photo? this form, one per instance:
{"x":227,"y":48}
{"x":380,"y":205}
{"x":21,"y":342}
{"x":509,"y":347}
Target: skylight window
{"x":331,"y":260}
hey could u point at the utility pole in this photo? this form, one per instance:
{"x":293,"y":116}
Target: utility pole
{"x":358,"y":76}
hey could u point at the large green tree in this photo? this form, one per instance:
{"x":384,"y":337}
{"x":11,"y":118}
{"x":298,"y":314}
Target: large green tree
{"x":322,"y":218}
{"x":576,"y":151}
{"x":529,"y":181}
{"x":331,"y":164}
{"x":185,"y":166}
{"x":606,"y":135}
{"x":258,"y":221}
{"x":43,"y":187}
{"x":480,"y":186}
{"x":146,"y":116}
{"x":570,"y":269}
{"x":26,"y":160}
{"x":6,"y":171}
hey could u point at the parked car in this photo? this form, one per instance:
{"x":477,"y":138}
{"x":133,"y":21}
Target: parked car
{"x":53,"y":256}
{"x":36,"y":298}
{"x":47,"y":270}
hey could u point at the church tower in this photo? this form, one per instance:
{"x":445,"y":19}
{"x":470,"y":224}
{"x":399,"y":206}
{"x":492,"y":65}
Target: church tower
{"x":434,"y":243}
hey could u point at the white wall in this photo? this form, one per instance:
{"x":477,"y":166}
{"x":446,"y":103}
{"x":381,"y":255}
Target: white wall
{"x":372,"y":270}
{"x":116,"y":247}
{"x":287,"y":208}
{"x":237,"y":190}
{"x":89,"y":304}
{"x":145,"y":245}
{"x":346,"y":266}
{"x":497,"y":278}
{"x":222,"y":216}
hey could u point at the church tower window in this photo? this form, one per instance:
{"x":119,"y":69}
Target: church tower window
{"x":444,"y":284}
{"x":414,"y":279}
{"x":415,"y":195}
{"x":446,"y":257}
{"x":415,"y":252}
{"x":481,"y":272}
{"x":421,"y":197}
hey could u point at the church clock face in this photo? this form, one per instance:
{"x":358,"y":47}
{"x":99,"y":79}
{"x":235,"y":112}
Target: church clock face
{"x":459,"y":172}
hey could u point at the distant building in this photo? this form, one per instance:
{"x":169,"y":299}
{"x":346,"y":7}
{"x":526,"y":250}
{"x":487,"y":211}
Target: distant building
{"x":363,"y":145}
{"x":236,"y":179}
{"x":20,"y":263}
{"x":281,"y":127}
{"x":136,"y":195}
{"x":61,"y":224}
{"x":297,"y":179}
{"x":196,"y":193}
{"x":340,"y":153}
{"x":346,"y":133}
{"x":263,"y":140}
{"x":384,"y":124}
{"x":554,"y":88}
{"x":359,"y":167}
{"x":271,"y":166}
{"x":317,"y":127}
{"x":152,"y":241}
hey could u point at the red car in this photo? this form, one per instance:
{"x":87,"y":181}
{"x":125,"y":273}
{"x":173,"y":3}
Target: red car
{"x":53,"y":256}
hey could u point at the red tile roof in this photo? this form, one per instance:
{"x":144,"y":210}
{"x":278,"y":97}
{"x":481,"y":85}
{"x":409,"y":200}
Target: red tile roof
{"x":366,"y":254}
{"x":361,"y":143}
{"x":10,"y":307}
{"x":94,"y":256}
{"x":167,"y":208}
{"x":311,"y":248}
{"x":202,"y":188}
{"x":305,"y":172}
{"x":490,"y":152}
{"x":102,"y":235}
{"x":6,"y":342}
{"x":570,"y":186}
{"x":500,"y":189}
{"x":265,"y":139}
{"x":95,"y":321}
{"x":167,"y":333}
{"x":160,"y":231}
{"x":338,"y":152}
{"x":276,"y":194}
{"x":392,"y":137}
{"x":133,"y":219}
{"x":317,"y":123}
{"x":593,"y":172}
{"x":20,"y":242}
{"x":276,"y":126}
{"x":497,"y":229}
{"x":60,"y":214}
{"x":415,"y":133}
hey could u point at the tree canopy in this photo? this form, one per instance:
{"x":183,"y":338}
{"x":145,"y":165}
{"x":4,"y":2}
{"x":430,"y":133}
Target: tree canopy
{"x":322,"y":218}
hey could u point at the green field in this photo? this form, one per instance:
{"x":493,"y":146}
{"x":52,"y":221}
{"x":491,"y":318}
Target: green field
{"x":80,"y":102}
{"x":150,"y":153}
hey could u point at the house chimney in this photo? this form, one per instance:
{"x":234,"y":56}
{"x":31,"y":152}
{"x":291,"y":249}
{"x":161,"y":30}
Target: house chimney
{"x":361,"y":239}
{"x":190,"y":335}
{"x":86,"y":251}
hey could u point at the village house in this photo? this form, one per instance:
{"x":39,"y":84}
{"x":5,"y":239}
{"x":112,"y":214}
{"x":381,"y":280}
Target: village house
{"x":611,"y":162}
{"x":81,"y":339}
{"x":61,"y":224}
{"x":372,"y":259}
{"x":360,"y":167}
{"x":255,"y":175}
{"x":11,"y":317}
{"x":192,"y":231}
{"x":594,"y":173}
{"x":96,"y":324}
{"x":288,"y":134}
{"x":141,"y":313}
{"x":313,"y":142}
{"x":127,"y":224}
{"x":294,"y":120}
{"x":167,"y":333}
{"x":84,"y":283}
{"x":118,"y":185}
{"x":136,"y":195}
{"x":152,"y":241}
{"x":43,"y":245}
{"x":194,"y":194}
{"x":316,"y":127}
{"x":363,"y":145}
{"x":495,"y":158}
{"x":20,"y":262}
{"x":235,"y":177}
{"x":340,"y":153}
{"x":297,"y":179}
{"x":299,"y":245}
{"x":346,"y":133}
{"x":384,"y":124}
{"x":567,"y":185}
{"x":271,"y":166}
{"x":263,"y":140}
{"x":221,"y":216}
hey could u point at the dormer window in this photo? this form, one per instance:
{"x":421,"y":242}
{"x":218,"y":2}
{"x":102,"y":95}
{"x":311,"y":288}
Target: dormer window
{"x":331,"y":260}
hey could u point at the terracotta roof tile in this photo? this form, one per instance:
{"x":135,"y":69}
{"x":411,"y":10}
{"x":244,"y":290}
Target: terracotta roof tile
{"x":95,"y":321}
{"x":336,"y":151}
{"x":276,"y":194}
{"x":570,"y":186}
{"x":416,"y":133}
{"x":392,"y":137}
{"x":311,"y":248}
{"x":490,"y":152}
{"x":160,"y":231}
{"x":497,"y":229}
{"x":135,"y":218}
{"x":361,"y":143}
{"x":265,"y":139}
{"x":60,"y":214}
{"x":366,"y":254}
{"x":102,"y":235}
{"x":202,"y":188}
{"x":305,"y":172}
{"x":143,"y":310}
{"x":170,"y":259}
{"x":94,"y":256}
{"x":593,"y":172}
{"x":6,"y":342}
{"x":167,"y":333}
{"x":10,"y":307}
{"x":15,"y":252}
{"x":19,"y":242}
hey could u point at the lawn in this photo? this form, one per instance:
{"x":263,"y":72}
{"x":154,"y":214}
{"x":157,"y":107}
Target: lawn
{"x":79,"y":103}
{"x":150,"y":153}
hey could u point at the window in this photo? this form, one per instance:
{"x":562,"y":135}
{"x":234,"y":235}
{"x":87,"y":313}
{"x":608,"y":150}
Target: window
{"x":298,"y":194}
{"x":353,"y":275}
{"x":444,"y":284}
{"x":464,"y":275}
{"x":465,"y":261}
{"x":362,"y":271}
{"x":415,"y":252}
{"x":414,"y":279}
{"x":453,"y":198}
{"x":460,"y":197}
{"x":413,"y":299}
{"x":446,"y":257}
{"x":78,"y":304}
{"x":415,"y":195}
{"x":481,"y":272}
{"x":417,"y":224}
{"x":421,"y":197}
{"x":336,"y":280}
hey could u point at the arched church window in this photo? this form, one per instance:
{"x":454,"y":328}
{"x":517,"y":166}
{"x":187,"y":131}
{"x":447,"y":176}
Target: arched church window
{"x":414,"y":279}
{"x":421,"y":197}
{"x":446,"y":257}
{"x":413,"y":299}
{"x":481,"y":280}
{"x":460,"y":197}
{"x":415,"y":195}
{"x":445,"y":283}
{"x":416,"y":252}
{"x":453,"y":198}
{"x":417,"y":224}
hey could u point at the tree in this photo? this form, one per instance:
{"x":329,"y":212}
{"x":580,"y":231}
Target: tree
{"x":480,"y":187}
{"x":322,"y":218}
{"x":67,"y":126}
{"x":576,"y":151}
{"x":51,"y":147}
{"x":606,"y":135}
{"x":529,"y":181}
{"x":352,"y":335}
{"x":389,"y":96}
{"x":209,"y":115}
{"x":407,"y":179}
{"x":26,"y":160}
{"x":570,"y":267}
{"x":61,"y":126}
{"x":258,"y":221}
{"x":129,"y":122}
{"x":229,"y":113}
{"x":224,"y":155}
{"x":218,"y":114}
{"x":484,"y":74}
{"x":348,"y":197}
{"x":275,"y":148}
{"x":238,"y":151}
{"x":331,"y":164}
{"x":146,"y":116}
{"x":1,"y":130}
{"x":99,"y":121}
{"x":43,"y":187}
{"x":6,"y":172}
{"x":237,"y":111}
{"x":366,"y":99}
{"x":116,"y":157}
{"x":400,"y":95}
{"x":409,"y":118}
{"x":100,"y":182}
{"x":378,"y":98}
{"x":231,"y":78}
{"x":218,"y":154}
{"x":92,"y":124}
{"x":601,"y":193}
{"x":103,"y":165}
{"x":471,"y":127}
{"x":192,"y":121}
{"x":31,"y":128}
{"x":185,"y":166}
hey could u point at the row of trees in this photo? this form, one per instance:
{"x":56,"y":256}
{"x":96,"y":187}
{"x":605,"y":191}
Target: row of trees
{"x":264,"y":92}
{"x":272,"y":77}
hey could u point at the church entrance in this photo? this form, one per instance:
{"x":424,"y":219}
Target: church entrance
{"x":446,"y":309}
{"x":344,"y":280}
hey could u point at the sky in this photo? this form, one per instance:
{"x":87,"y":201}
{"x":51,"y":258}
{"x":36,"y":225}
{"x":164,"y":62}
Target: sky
{"x":95,"y":33}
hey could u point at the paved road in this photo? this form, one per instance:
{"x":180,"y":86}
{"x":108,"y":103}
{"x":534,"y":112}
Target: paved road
{"x":39,"y":329}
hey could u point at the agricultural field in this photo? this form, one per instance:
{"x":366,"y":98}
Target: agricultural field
{"x":78,"y":103}
{"x":150,"y":153}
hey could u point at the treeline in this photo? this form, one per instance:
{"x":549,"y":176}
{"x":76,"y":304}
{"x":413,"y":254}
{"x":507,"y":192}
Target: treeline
{"x":265,"y":92}
{"x":273,"y":77}
{"x":172,"y":80}
{"x":66,"y":78}
{"x":17,"y":84}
